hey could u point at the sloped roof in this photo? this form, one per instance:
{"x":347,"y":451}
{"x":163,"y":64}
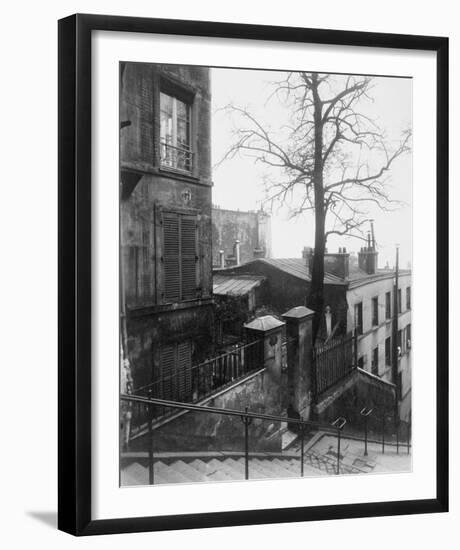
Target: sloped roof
{"x":235,"y":285}
{"x":358,"y":277}
{"x":295,"y":267}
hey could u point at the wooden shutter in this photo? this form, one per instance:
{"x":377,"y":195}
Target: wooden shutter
{"x":167,"y":361}
{"x":188,"y":257}
{"x":171,"y":257}
{"x":184,"y":371}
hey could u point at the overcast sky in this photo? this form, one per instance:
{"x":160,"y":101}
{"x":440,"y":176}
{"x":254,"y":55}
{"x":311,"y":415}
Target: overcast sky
{"x":238,"y":182}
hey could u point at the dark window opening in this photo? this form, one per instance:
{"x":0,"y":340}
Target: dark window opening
{"x":375,"y":311}
{"x":388,"y":305}
{"x":359,"y":318}
{"x":388,"y":351}
{"x":375,"y":361}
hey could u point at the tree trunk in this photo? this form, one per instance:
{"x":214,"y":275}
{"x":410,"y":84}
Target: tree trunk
{"x":316,"y":297}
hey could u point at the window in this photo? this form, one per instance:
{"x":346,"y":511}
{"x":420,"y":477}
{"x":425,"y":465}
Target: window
{"x":408,"y":338}
{"x":408,"y":298}
{"x":175,"y":381}
{"x":388,"y":305}
{"x":399,"y":300}
{"x":359,"y":318}
{"x":175,"y":143}
{"x":400,"y":343}
{"x":375,"y":361}
{"x":388,"y":351}
{"x":361,"y":362}
{"x":179,"y":257}
{"x":375,"y":311}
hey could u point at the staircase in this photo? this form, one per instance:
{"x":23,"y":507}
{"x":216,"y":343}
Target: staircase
{"x":195,"y":467}
{"x":320,"y":458}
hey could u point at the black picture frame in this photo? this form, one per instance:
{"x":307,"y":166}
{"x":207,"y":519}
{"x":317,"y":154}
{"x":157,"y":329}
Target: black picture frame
{"x":74,"y":477}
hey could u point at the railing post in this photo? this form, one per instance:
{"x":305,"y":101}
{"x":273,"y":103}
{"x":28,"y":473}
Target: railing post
{"x":383,"y":432}
{"x":338,"y":451}
{"x":408,"y":437}
{"x":302,"y":433}
{"x":355,"y":348}
{"x":246,"y":421}
{"x":151,"y":465}
{"x":338,"y":424}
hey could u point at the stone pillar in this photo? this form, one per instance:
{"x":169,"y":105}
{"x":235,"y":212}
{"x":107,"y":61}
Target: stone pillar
{"x":269,"y":330}
{"x":299,"y":360}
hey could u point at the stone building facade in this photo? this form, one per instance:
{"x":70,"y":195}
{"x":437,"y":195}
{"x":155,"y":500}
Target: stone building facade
{"x":239,"y":236}
{"x":165,"y":223}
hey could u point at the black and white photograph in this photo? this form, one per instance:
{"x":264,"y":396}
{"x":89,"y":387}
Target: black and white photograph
{"x":265,"y":270}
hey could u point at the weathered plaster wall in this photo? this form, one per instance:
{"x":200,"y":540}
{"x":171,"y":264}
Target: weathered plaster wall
{"x":252,"y":229}
{"x":348,"y":398}
{"x":198,"y":431}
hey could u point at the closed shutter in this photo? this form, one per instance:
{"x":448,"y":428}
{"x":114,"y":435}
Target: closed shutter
{"x":179,"y":257}
{"x":184,"y":371}
{"x":171,"y":257}
{"x":167,"y":360}
{"x":188,"y":257}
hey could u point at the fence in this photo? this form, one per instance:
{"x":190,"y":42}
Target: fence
{"x":198,"y":381}
{"x":217,"y":372}
{"x":332,"y":361}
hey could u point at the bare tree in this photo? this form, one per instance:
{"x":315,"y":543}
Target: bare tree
{"x":331,"y":158}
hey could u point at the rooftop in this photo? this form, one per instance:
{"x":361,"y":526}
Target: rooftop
{"x":235,"y":285}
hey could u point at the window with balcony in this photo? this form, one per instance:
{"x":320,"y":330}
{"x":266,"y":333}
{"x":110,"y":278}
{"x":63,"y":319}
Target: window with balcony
{"x":175,"y":133}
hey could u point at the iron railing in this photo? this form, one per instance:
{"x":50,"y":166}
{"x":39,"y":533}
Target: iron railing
{"x":333,"y":361}
{"x":179,"y":158}
{"x":247,"y":417}
{"x":217,"y":372}
{"x":200,"y":381}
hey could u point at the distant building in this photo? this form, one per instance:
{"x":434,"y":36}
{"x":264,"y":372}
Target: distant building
{"x":165,"y":212}
{"x":238,"y":236}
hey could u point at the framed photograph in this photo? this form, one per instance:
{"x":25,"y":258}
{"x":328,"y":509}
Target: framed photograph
{"x":253,"y":288}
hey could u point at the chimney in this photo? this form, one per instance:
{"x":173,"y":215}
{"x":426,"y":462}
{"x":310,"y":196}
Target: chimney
{"x":307,"y":255}
{"x":236,"y":252}
{"x":368,"y":255}
{"x":222,"y":259}
{"x":337,"y":264}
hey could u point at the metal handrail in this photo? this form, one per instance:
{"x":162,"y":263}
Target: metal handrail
{"x":336,"y":427}
{"x":228,"y":412}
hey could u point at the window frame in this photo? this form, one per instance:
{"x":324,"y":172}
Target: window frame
{"x":177,"y":93}
{"x":388,"y":305}
{"x":359,"y":323}
{"x":388,"y":354}
{"x":375,"y":311}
